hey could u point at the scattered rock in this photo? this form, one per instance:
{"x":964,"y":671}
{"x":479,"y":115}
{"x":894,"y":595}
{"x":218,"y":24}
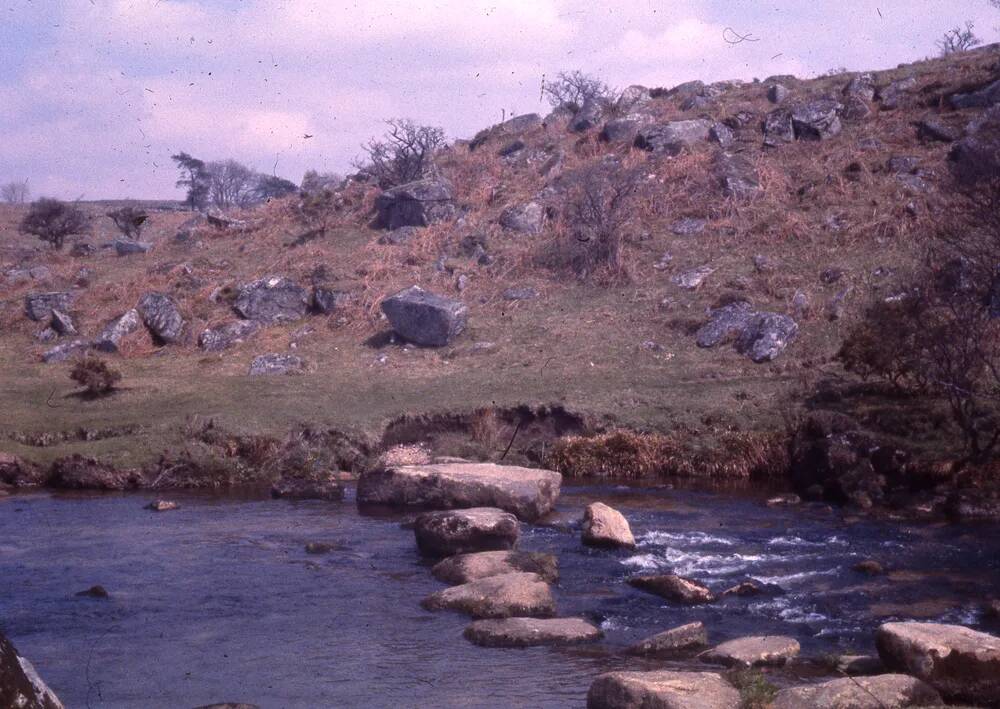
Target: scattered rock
{"x":662,"y":689}
{"x":276,"y":363}
{"x":65,"y":351}
{"x":588,"y":116}
{"x":327,"y":301}
{"x":688,"y":226}
{"x":523,"y":218}
{"x":893,"y":95}
{"x":528,"y":493}
{"x":931,"y":129}
{"x":463,"y":568}
{"x":622,"y":130}
{"x":95,"y":592}
{"x":901,"y":164}
{"x":777,"y":93}
{"x":726,"y":324}
{"x":225,"y":336}
{"x":882,"y":692}
{"x":692,"y":280}
{"x":299,"y":488}
{"x":126,"y":247}
{"x":519,"y":294}
{"x":766,"y":336}
{"x":505,"y":596}
{"x":670,"y":642}
{"x":984,"y":98}
{"x":861,"y":85}
{"x":449,"y":532}
{"x":62,"y":323}
{"x":754,"y":651}
{"x":778,"y":128}
{"x":424,"y":318}
{"x":531,"y":632}
{"x":961,"y":663}
{"x":271,"y":300}
{"x":20,"y":685}
{"x":39,"y":306}
{"x":19,"y":276}
{"x":399,"y":236}
{"x":162,"y":506}
{"x":722,"y":134}
{"x":817,"y":120}
{"x":420,"y":203}
{"x":855,"y":109}
{"x":160,"y":314}
{"x":605,"y":526}
{"x":673,"y":588}
{"x":673,"y":137}
{"x":736,"y":175}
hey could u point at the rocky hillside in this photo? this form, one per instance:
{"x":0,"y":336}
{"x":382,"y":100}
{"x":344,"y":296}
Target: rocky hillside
{"x":760,"y":218}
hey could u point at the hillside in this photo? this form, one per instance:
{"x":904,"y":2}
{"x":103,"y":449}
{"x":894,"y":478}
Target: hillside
{"x":828,"y":223}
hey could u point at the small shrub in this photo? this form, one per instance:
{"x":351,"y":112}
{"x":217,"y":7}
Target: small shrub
{"x":95,"y":376}
{"x":884,"y":344}
{"x":404,"y":154}
{"x":52,"y":221}
{"x":129,"y":220}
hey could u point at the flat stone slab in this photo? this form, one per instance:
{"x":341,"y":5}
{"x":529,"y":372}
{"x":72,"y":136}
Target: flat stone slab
{"x":463,"y":531}
{"x":960,"y":663}
{"x":528,"y":493}
{"x":754,"y":651}
{"x":529,"y":632}
{"x":671,"y":642}
{"x":880,"y":692}
{"x":463,"y":568}
{"x":662,"y":690}
{"x":505,"y":596}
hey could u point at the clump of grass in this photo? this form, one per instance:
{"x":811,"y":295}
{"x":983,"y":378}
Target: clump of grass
{"x":756,"y":692}
{"x":626,"y":454}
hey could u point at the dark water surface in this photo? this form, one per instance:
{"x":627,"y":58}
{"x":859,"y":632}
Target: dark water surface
{"x":218,"y":601}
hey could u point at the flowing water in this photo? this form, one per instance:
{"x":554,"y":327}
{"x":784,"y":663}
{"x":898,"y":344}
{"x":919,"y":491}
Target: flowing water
{"x":218,"y":601}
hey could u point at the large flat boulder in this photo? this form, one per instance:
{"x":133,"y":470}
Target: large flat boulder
{"x":674,"y":588}
{"x":160,"y":314}
{"x":419,"y":203}
{"x":662,"y":690}
{"x":880,"y":692}
{"x":506,"y":596}
{"x":754,"y":651}
{"x":463,"y":531}
{"x":604,"y":526}
{"x":530,"y":632}
{"x":670,"y":642}
{"x":961,"y":663}
{"x":463,"y":568}
{"x":528,"y":493}
{"x":424,"y":318}
{"x":272,"y":300}
{"x":20,"y":685}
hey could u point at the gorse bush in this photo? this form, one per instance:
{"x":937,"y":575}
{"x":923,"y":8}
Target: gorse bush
{"x":52,"y":221}
{"x":95,"y":376}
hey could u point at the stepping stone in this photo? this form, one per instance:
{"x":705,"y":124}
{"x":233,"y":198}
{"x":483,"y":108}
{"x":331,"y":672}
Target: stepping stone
{"x":529,"y":632}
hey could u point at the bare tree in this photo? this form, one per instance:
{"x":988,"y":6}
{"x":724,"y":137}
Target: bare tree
{"x":573,"y":88}
{"x":958,"y":39}
{"x":52,"y":221}
{"x":231,"y":184}
{"x":404,"y":154}
{"x":15,"y":192}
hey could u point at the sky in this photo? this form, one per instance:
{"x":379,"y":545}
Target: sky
{"x":96,"y":95}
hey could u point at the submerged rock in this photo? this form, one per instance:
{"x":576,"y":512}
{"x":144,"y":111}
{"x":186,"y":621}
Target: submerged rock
{"x":754,"y":651}
{"x":463,"y":531}
{"x":528,"y":493}
{"x":505,"y":596}
{"x":662,"y":690}
{"x":882,"y":692}
{"x":670,"y":642}
{"x":95,"y":592}
{"x":605,"y":526}
{"x":20,"y":685}
{"x":961,"y":663}
{"x":674,"y":588}
{"x":424,"y":318}
{"x":463,"y":568}
{"x":530,"y":632}
{"x":162,"y":506}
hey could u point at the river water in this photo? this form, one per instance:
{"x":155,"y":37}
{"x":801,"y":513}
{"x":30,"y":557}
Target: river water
{"x":218,"y":601}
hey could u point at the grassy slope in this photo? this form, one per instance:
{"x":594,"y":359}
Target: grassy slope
{"x":579,"y":344}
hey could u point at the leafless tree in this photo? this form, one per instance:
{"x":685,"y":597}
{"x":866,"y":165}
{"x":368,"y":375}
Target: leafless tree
{"x":15,"y":192}
{"x":52,"y":221}
{"x":573,"y":88}
{"x":231,"y":184}
{"x":958,"y":39}
{"x":404,"y":154}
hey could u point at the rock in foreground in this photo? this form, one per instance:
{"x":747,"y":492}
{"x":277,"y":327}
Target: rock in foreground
{"x":881,"y":692}
{"x":528,"y":493}
{"x":424,"y":318}
{"x":506,"y":596}
{"x":605,"y":526}
{"x":20,"y":685}
{"x":670,"y":642}
{"x":463,"y":568}
{"x":662,"y":690}
{"x":673,"y":588}
{"x":962,"y":664}
{"x":463,"y":531}
{"x":754,"y":651}
{"x":529,"y":632}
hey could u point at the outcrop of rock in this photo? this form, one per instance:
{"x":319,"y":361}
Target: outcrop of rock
{"x":424,"y":318}
{"x":293,"y":488}
{"x":79,"y":473}
{"x":892,"y":96}
{"x":983,"y":98}
{"x":881,"y":692}
{"x":506,"y":596}
{"x":588,"y":115}
{"x":126,"y":247}
{"x":726,"y":324}
{"x":961,"y":663}
{"x":670,"y":642}
{"x":523,"y":218}
{"x":531,"y":632}
{"x":817,"y":120}
{"x":39,"y":306}
{"x":778,"y":128}
{"x":604,"y":526}
{"x":160,"y":314}
{"x":463,"y":568}
{"x":20,"y":685}
{"x":754,"y":651}
{"x":276,"y":363}
{"x":223,"y":337}
{"x":736,"y":175}
{"x":623,"y":130}
{"x":272,"y":300}
{"x":511,"y":127}
{"x":114,"y":332}
{"x":420,"y":203}
{"x":327,"y":301}
{"x":674,"y":588}
{"x":528,"y":493}
{"x":977,"y":156}
{"x":451,"y":532}
{"x":662,"y":690}
{"x":673,"y":137}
